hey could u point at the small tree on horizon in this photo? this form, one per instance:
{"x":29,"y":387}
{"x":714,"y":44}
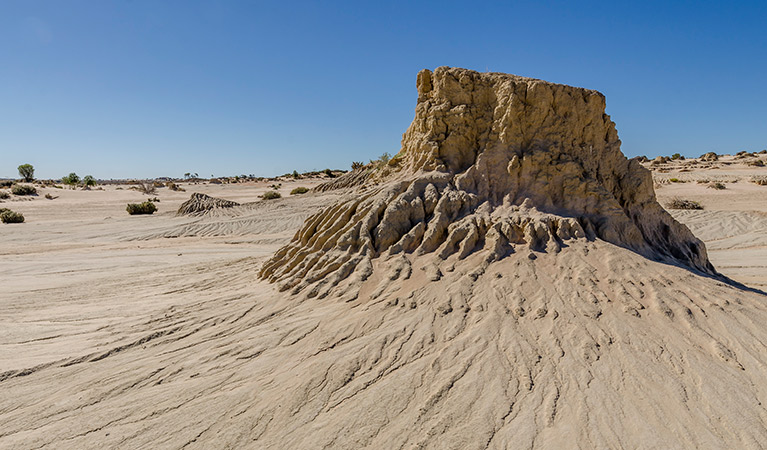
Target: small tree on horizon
{"x":27,"y":172}
{"x":89,"y":181}
{"x":72,"y":179}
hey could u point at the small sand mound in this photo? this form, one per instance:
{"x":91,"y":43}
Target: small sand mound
{"x":355,"y":178}
{"x":201,"y":203}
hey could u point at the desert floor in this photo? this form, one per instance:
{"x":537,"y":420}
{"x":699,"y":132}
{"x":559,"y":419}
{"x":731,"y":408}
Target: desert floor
{"x":82,"y":281}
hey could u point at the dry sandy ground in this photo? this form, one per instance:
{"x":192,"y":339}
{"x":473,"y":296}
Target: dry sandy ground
{"x":122,"y":331}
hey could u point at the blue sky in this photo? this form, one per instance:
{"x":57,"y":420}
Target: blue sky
{"x":158,"y":88}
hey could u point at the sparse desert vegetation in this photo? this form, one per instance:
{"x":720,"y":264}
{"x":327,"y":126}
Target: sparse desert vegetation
{"x":717,"y":186}
{"x":146,"y":207}
{"x":678,"y":203}
{"x":271,"y":195}
{"x":299,"y":190}
{"x":8,"y":216}
{"x":23,"y":189}
{"x":27,"y":172}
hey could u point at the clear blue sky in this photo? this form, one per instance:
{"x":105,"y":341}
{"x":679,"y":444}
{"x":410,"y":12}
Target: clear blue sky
{"x":157,"y":88}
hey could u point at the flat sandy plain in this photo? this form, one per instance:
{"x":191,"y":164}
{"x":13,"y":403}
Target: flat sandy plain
{"x":91,"y":299}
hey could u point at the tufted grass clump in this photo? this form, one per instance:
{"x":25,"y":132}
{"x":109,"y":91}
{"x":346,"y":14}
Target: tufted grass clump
{"x":141,"y":208}
{"x":271,"y":195}
{"x":299,"y":190}
{"x":8,"y":216}
{"x":678,"y":203}
{"x":23,"y":189}
{"x":717,"y":185}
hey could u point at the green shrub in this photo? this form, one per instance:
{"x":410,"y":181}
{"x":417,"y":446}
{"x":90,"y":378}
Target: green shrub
{"x":72,"y":179}
{"x":299,"y":190}
{"x":674,"y":180}
{"x":89,"y":181}
{"x":357,"y":165}
{"x":22,"y":189}
{"x":8,"y":216}
{"x":676,"y":156}
{"x":717,"y":185}
{"x":678,"y":203}
{"x":4,"y":195}
{"x":141,"y":208}
{"x":271,"y":195}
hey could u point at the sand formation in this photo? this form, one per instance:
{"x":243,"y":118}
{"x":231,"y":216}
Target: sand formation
{"x":494,"y":163}
{"x":202,"y":203}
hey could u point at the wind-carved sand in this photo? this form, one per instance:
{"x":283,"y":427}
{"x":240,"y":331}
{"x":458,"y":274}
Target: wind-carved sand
{"x":508,"y":280}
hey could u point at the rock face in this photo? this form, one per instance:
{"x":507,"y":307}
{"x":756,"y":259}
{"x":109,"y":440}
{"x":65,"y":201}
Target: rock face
{"x":492,"y":164}
{"x":201,"y":203}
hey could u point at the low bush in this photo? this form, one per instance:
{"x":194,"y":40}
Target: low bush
{"x":141,"y":208}
{"x":22,"y":189}
{"x":8,"y":216}
{"x":678,"y":203}
{"x":271,"y":195}
{"x":675,"y":180}
{"x":174,"y":187}
{"x":759,"y":181}
{"x":49,"y":196}
{"x":145,"y":187}
{"x":756,"y":163}
{"x":6,"y":183}
{"x":299,"y":190}
{"x":4,"y":195}
{"x":717,"y":185}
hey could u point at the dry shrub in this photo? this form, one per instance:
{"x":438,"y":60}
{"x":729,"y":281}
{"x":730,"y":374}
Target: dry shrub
{"x":299,"y":190}
{"x":8,"y":216}
{"x":4,"y":195}
{"x":22,"y":189}
{"x":141,"y":208}
{"x":678,"y":203}
{"x":174,"y":187}
{"x":271,"y":195}
{"x":717,"y":185}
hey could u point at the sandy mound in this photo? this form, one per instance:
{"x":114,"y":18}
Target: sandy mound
{"x":202,"y":203}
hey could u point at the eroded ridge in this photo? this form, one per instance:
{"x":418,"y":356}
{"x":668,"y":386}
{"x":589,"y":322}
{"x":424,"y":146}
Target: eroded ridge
{"x":201,"y":203}
{"x":491,"y":162}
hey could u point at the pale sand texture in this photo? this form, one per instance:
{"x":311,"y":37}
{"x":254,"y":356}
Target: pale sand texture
{"x":133,"y":340}
{"x":733,"y":223}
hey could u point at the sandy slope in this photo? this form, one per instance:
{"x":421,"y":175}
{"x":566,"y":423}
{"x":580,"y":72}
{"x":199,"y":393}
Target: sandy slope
{"x":153,"y":332}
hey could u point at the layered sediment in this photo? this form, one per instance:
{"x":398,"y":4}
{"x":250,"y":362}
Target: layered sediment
{"x":492,"y":164}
